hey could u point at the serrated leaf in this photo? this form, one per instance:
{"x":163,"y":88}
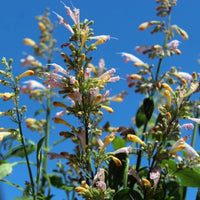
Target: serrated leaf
{"x":5,"y":169}
{"x":118,"y":143}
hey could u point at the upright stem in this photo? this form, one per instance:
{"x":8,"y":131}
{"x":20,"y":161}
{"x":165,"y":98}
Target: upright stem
{"x":26,"y":154}
{"x":47,"y":131}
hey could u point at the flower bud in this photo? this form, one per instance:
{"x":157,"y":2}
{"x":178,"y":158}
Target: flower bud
{"x":116,"y":161}
{"x":135,"y":138}
{"x":30,"y":42}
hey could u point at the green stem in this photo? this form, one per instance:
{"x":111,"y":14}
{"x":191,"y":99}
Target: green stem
{"x":46,"y":144}
{"x":25,"y":152}
{"x":126,"y":172}
{"x":194,"y":131}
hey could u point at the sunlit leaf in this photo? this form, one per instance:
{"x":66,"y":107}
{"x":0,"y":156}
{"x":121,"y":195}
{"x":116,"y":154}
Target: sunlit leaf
{"x":5,"y":169}
{"x":118,"y":143}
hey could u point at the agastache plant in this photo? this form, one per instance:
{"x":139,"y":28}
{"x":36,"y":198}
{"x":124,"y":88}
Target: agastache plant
{"x":150,"y":159}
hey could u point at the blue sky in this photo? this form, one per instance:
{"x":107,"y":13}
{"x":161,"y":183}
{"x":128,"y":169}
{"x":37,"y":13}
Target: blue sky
{"x":119,"y":19}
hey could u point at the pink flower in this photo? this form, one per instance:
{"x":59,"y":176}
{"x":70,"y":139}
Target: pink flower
{"x":140,"y":49}
{"x":29,"y":61}
{"x":191,"y":153}
{"x":64,"y":22}
{"x":185,"y":75}
{"x":58,"y":68}
{"x":130,"y":57}
{"x":61,"y":113}
{"x":134,"y":173}
{"x":100,"y":142}
{"x":77,"y":95}
{"x":52,"y":81}
{"x":87,"y":73}
{"x":75,"y":14}
{"x":155,"y":176}
{"x":99,"y":37}
{"x":113,"y":79}
{"x":101,"y":66}
{"x":174,"y":44}
{"x":32,"y":84}
{"x":101,"y":185}
{"x":108,"y":73}
{"x":100,"y":176}
{"x":126,"y":150}
{"x":188,"y":126}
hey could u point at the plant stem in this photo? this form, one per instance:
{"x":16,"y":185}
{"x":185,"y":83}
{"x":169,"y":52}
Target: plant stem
{"x":126,"y":172}
{"x":25,"y":152}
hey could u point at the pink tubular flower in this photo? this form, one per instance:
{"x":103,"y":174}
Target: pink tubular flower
{"x":87,"y":73}
{"x":61,"y":113}
{"x":126,"y":150}
{"x":101,"y":185}
{"x":174,"y":44}
{"x":100,"y":176}
{"x":75,"y":14}
{"x":191,"y":153}
{"x":185,"y":75}
{"x":32,"y":84}
{"x":29,"y":61}
{"x":101,"y":66}
{"x":77,"y":95}
{"x":52,"y":81}
{"x":130,"y":57}
{"x":155,"y":176}
{"x":64,"y":22}
{"x":58,"y":68}
{"x":188,"y":126}
{"x":103,"y":37}
{"x":100,"y":142}
{"x":108,"y":73}
{"x":113,"y":79}
{"x":134,"y":173}
{"x":140,"y":49}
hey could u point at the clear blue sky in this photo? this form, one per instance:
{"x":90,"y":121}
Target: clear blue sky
{"x":119,"y":19}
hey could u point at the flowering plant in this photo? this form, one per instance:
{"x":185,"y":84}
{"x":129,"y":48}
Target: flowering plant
{"x":149,"y":160}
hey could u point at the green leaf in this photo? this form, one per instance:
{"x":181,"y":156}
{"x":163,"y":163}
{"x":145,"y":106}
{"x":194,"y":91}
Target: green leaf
{"x":118,"y":143}
{"x":56,"y":180}
{"x":39,"y":156}
{"x":12,"y":184}
{"x":140,"y":117}
{"x":5,"y":169}
{"x":148,"y":107}
{"x":18,"y":151}
{"x":115,"y":173}
{"x":37,"y":112}
{"x":23,"y":198}
{"x":127,"y":193}
{"x":189,"y":177}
